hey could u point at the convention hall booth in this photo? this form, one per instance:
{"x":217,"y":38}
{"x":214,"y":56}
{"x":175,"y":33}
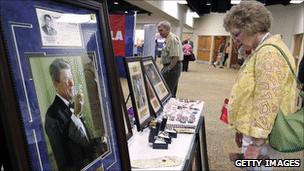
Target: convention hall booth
{"x":62,"y":104}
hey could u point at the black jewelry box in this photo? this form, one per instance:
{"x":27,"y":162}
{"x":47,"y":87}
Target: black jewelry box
{"x":172,"y":133}
{"x":165,"y":136}
{"x":160,"y":143}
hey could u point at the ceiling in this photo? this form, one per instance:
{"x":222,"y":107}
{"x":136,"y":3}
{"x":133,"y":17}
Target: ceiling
{"x":201,"y":7}
{"x":123,"y":7}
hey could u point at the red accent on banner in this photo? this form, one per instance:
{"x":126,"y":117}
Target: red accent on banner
{"x":118,"y":34}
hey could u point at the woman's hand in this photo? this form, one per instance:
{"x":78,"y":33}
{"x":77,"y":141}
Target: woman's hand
{"x":252,"y":152}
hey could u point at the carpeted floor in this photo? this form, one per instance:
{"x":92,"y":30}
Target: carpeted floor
{"x":212,"y":85}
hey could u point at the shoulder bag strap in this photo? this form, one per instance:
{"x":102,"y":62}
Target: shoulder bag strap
{"x":284,"y":55}
{"x":286,"y":59}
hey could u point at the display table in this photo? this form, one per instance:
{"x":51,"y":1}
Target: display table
{"x":190,"y":149}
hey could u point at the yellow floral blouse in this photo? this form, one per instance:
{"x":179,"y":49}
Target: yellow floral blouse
{"x":264,"y":85}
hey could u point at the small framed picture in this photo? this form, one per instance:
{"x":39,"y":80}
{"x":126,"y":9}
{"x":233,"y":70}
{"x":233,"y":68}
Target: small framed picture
{"x":138,"y":92}
{"x":127,"y":124}
{"x":125,"y":115}
{"x":156,"y":79}
{"x":153,"y":99}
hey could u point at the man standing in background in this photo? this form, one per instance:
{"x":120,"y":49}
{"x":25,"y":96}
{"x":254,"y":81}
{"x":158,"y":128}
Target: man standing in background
{"x":171,"y":56}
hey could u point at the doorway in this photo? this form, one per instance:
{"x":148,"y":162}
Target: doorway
{"x":204,"y":48}
{"x":234,"y":55}
{"x":218,"y":40}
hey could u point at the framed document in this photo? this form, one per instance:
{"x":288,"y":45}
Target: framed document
{"x":60,"y":29}
{"x":139,"y":96}
{"x":61,"y":111}
{"x":156,"y":79}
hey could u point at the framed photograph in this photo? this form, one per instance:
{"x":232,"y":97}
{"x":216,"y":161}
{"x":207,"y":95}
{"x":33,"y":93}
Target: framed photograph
{"x":153,"y":99}
{"x":127,"y":124}
{"x":125,"y":114}
{"x":156,"y":79}
{"x":61,"y":109}
{"x":139,"y":96}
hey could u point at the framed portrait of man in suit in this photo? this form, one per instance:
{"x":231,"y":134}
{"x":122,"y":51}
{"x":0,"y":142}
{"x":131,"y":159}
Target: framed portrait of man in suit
{"x":68,"y":90}
{"x":61,"y":107}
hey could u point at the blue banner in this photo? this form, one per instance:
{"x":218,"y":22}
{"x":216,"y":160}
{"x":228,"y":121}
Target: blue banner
{"x":129,"y":42}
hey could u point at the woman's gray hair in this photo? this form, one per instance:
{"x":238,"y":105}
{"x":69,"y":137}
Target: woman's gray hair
{"x":55,"y":68}
{"x":164,"y":24}
{"x":249,"y":16}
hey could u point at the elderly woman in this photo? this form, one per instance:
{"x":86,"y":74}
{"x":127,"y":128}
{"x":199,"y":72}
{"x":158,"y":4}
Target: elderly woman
{"x":264,"y":83}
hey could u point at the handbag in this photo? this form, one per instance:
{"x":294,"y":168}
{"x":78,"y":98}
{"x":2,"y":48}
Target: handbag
{"x":287,"y":134}
{"x":192,"y":57}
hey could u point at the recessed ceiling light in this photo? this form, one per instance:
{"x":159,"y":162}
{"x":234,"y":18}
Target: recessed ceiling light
{"x":296,"y":1}
{"x":116,"y":3}
{"x":235,"y":1}
{"x":208,"y":2}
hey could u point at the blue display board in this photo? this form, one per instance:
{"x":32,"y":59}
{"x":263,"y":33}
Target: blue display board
{"x":36,"y":35}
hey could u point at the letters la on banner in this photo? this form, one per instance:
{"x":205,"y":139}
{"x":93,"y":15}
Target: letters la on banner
{"x":118,"y":23}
